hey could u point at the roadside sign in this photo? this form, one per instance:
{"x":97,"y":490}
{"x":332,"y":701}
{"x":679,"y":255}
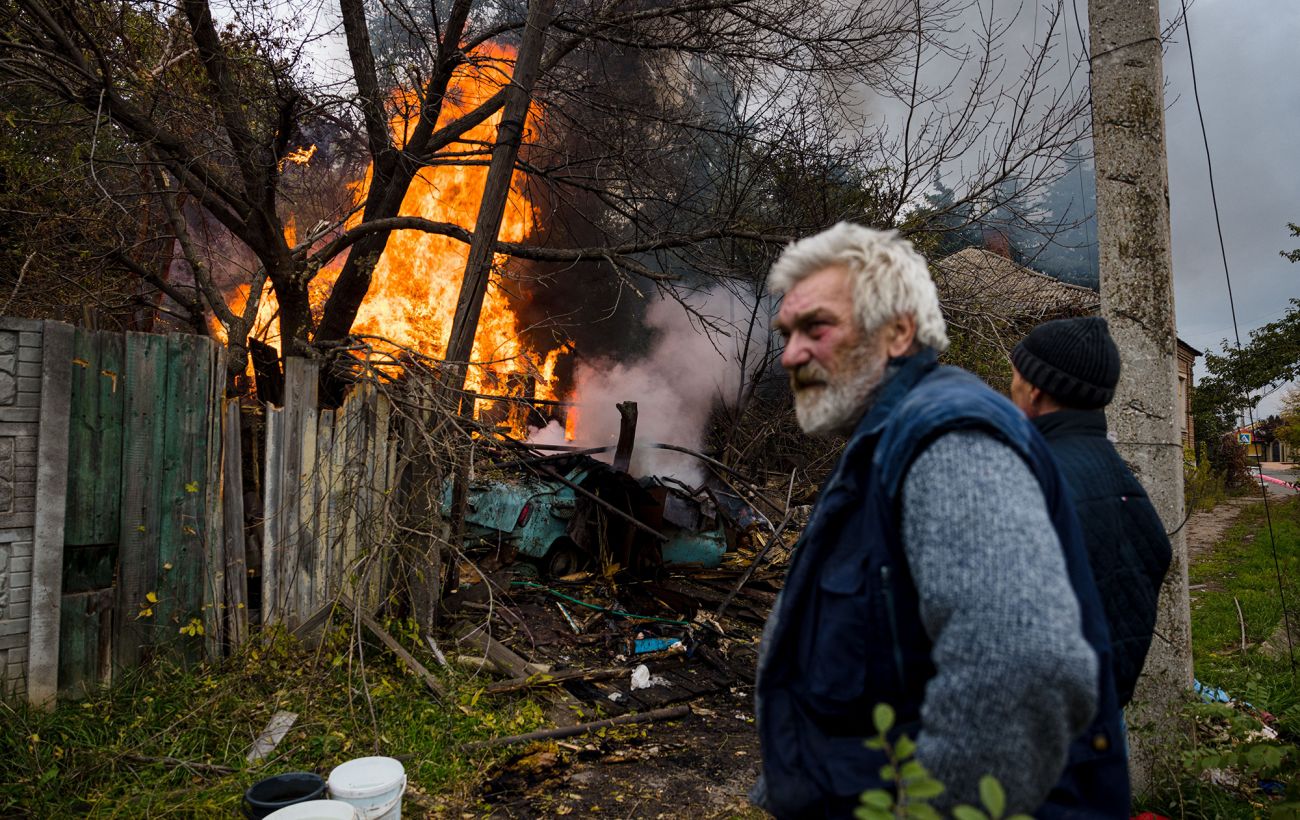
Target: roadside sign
{"x":1243,"y":438}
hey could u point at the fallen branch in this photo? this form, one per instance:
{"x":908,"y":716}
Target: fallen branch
{"x":397,"y":649}
{"x":552,"y":678}
{"x":671,"y":713}
{"x":776,"y":538}
{"x":177,"y":763}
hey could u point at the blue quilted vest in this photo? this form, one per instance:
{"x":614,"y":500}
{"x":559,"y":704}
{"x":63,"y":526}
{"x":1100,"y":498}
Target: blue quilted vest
{"x":849,"y":633}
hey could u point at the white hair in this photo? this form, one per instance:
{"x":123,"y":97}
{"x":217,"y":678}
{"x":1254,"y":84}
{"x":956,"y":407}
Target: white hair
{"x":889,"y":277}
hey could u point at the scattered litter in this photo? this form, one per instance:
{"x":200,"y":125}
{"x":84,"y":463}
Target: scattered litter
{"x":437,"y":653}
{"x":569,"y":618}
{"x":641,"y":678}
{"x":1211,"y":694}
{"x":616,"y":696}
{"x":644,"y":645}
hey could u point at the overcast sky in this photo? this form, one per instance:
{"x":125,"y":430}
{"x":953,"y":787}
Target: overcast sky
{"x":1248,"y":70}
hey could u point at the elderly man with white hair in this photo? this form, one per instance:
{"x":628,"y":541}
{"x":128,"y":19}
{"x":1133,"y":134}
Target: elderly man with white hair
{"x":942,"y":571}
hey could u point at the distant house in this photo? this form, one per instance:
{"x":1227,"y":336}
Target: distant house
{"x":1266,"y":447}
{"x":1186,"y":358}
{"x":981,"y":284}
{"x":995,"y":301}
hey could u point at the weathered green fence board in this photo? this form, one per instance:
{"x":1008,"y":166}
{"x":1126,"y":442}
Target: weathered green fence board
{"x":215,"y":565}
{"x":145,"y":550}
{"x":94,"y":440}
{"x":85,"y":641}
{"x":184,"y":472}
{"x":142,"y":477}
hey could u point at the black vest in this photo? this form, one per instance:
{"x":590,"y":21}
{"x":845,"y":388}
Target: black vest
{"x":849,"y":633}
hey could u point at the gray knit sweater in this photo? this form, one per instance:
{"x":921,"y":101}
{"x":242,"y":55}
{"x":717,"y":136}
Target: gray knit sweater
{"x":1015,"y":679}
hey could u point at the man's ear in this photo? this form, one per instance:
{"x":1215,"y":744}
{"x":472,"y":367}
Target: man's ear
{"x":1036,"y":398}
{"x":900,"y":334}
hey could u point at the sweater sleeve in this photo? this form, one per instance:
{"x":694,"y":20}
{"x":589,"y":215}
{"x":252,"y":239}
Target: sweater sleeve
{"x":1015,"y":679}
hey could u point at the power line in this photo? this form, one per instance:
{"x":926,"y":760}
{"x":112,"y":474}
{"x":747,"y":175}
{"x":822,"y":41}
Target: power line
{"x":1223,"y":251}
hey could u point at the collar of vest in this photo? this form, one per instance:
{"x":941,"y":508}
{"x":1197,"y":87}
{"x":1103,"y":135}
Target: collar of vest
{"x":1072,"y":423}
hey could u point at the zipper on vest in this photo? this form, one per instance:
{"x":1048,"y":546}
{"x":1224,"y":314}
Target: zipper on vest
{"x":887,"y":588}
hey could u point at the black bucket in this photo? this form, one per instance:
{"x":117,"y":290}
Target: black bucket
{"x":265,"y":796}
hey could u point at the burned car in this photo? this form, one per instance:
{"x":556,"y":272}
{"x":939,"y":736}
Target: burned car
{"x":576,"y":512}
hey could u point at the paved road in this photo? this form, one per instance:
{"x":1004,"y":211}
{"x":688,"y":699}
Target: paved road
{"x":1290,"y":473}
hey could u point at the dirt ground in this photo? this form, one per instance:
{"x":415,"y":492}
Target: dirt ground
{"x":700,"y":766}
{"x":1205,"y":529}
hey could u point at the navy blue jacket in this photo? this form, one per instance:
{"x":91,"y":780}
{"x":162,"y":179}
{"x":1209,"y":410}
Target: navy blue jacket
{"x":1127,"y":546}
{"x":849,"y":634}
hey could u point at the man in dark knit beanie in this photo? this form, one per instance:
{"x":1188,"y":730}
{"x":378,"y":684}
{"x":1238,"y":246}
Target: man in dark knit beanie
{"x":1064,"y":374}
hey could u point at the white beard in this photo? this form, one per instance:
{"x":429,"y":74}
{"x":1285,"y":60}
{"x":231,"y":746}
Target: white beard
{"x":836,"y":405}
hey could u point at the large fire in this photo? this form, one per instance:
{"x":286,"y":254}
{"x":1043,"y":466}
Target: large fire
{"x":413,"y":292}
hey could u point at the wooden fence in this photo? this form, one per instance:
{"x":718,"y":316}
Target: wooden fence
{"x":143,"y":549}
{"x":329,"y":477}
{"x":123,"y":530}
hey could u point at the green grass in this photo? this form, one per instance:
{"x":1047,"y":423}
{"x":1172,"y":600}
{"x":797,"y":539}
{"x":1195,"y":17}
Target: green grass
{"x":75,"y":762}
{"x":1242,"y":567}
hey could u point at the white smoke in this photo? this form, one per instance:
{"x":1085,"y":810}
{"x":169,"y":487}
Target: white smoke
{"x":696,"y":362}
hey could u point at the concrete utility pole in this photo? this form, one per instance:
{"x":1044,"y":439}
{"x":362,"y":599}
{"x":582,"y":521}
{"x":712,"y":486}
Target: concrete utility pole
{"x":1137,"y":299}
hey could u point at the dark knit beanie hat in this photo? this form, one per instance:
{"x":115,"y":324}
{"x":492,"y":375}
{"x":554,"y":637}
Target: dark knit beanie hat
{"x":1075,"y":361}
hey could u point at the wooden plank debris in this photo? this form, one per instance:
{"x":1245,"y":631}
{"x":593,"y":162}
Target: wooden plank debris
{"x":501,"y":657}
{"x":397,"y":649}
{"x":280,"y":724}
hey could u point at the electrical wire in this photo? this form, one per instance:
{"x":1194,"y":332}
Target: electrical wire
{"x":1223,"y":251}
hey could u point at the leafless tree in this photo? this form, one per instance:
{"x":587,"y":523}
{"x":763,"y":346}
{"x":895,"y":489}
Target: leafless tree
{"x":679,"y":139}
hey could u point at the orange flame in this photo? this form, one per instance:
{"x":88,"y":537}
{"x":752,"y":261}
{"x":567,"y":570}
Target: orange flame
{"x":414,"y":288}
{"x":416,"y":282}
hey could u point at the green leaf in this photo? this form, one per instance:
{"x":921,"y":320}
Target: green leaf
{"x":887,"y":773}
{"x":905,"y":748}
{"x":913,"y":770}
{"x":923,"y":811}
{"x":878,"y":798}
{"x":964,"y":812}
{"x":992,"y":796}
{"x":869,"y":813}
{"x":883,"y":717}
{"x":875,"y":743}
{"x":924,"y":788}
{"x":192,"y":487}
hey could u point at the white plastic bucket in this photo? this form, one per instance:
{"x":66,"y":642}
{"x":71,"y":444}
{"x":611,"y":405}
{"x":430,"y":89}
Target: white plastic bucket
{"x":315,"y":810}
{"x":372,"y":785}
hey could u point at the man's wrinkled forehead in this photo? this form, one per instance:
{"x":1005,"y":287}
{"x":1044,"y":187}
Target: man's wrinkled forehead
{"x":823,"y":294}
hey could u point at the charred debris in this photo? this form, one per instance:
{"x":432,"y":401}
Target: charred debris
{"x":618,"y":599}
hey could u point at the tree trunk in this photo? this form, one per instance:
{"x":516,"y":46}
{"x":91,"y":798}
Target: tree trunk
{"x":469,"y":304}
